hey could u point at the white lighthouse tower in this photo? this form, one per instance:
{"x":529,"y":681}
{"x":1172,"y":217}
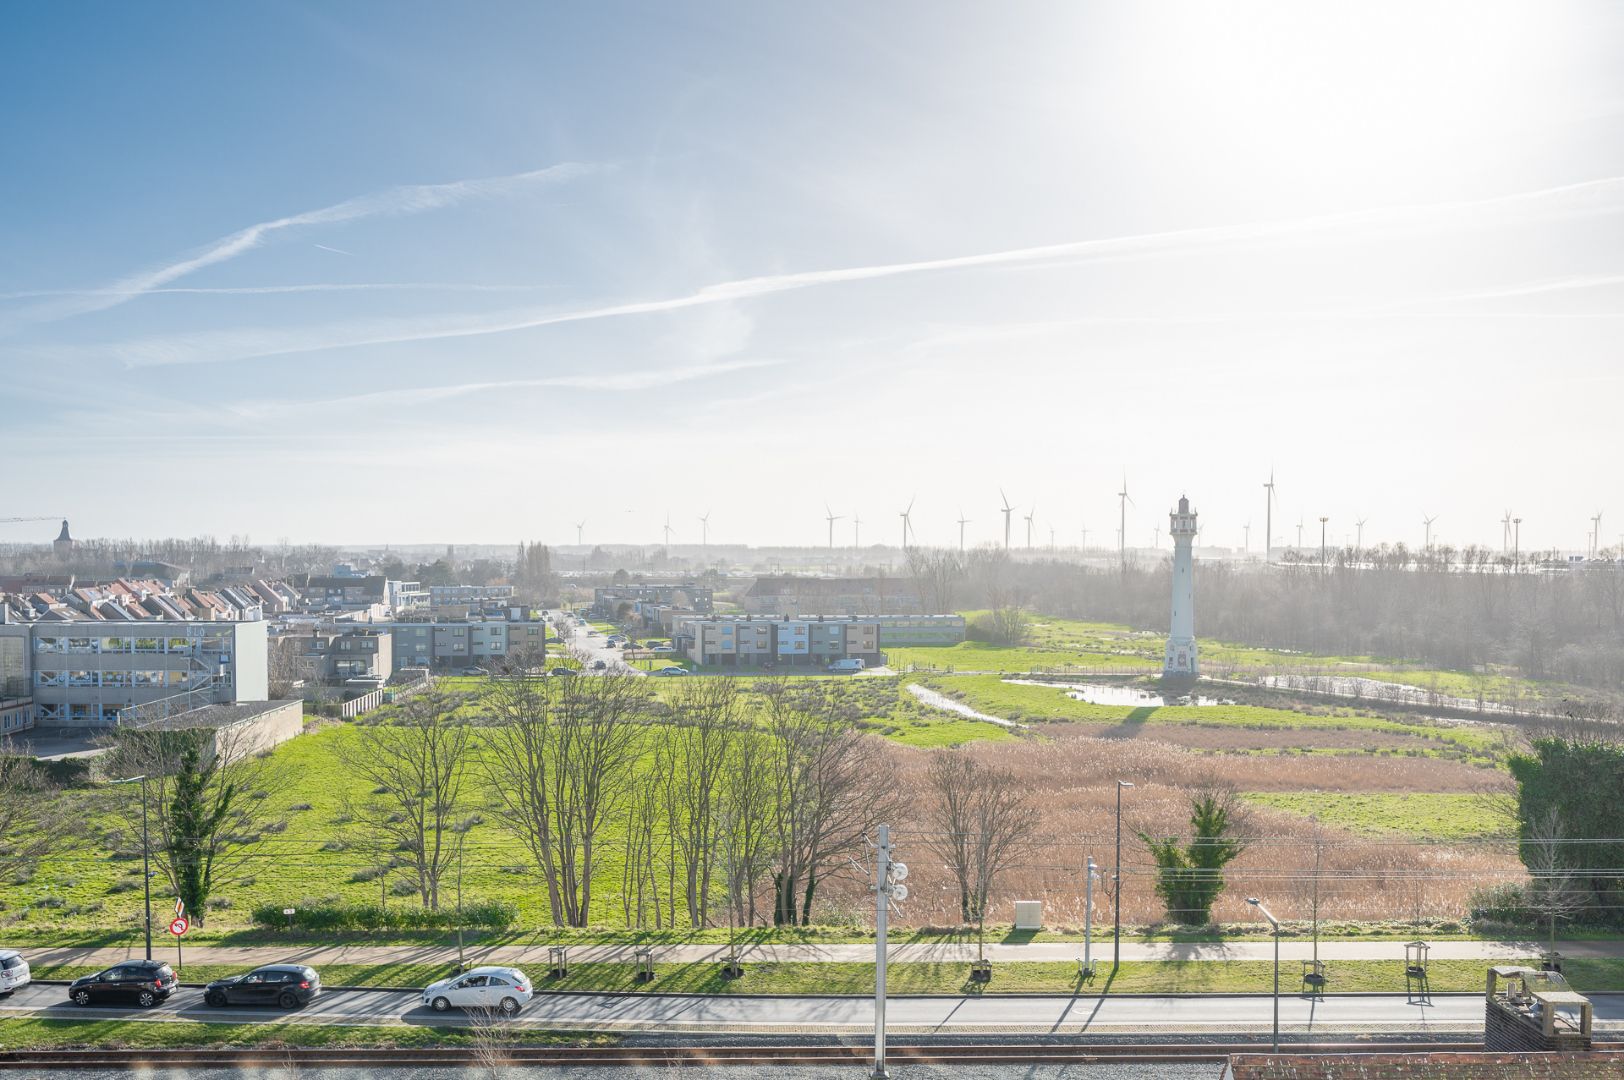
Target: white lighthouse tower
{"x":1181,"y":658}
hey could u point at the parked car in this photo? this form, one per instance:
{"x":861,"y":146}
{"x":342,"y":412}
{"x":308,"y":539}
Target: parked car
{"x":287,"y":985}
{"x":562,"y":671}
{"x":672,"y":671}
{"x":14,"y":971}
{"x":477,"y":671}
{"x":849,"y":666}
{"x":503,"y":989}
{"x":598,"y":665}
{"x":662,"y":649}
{"x":143,"y":982}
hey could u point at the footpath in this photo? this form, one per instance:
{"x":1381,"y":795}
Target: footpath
{"x":915,"y":952}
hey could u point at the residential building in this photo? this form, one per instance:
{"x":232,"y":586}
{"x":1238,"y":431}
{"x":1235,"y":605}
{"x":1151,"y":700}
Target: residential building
{"x":452,"y":646}
{"x":84,"y":674}
{"x":808,"y":639}
{"x":463,"y":601}
{"x":781,"y":594}
{"x":336,"y":653}
{"x":610,"y":600}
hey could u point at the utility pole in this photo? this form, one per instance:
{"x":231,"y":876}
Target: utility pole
{"x":1323,"y":520}
{"x":146,"y":871}
{"x":888,"y":878}
{"x":1088,"y":920}
{"x":1116,"y":889}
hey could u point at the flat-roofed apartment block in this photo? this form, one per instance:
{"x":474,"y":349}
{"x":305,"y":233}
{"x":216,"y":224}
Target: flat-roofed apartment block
{"x":752,"y":641}
{"x":452,"y":646}
{"x":82,"y":674}
{"x":902,"y":631}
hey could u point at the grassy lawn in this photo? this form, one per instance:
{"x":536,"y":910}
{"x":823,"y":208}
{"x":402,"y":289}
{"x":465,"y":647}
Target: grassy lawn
{"x":1036,"y":704}
{"x":410,"y":976}
{"x":1441,"y":816}
{"x":26,"y":1033}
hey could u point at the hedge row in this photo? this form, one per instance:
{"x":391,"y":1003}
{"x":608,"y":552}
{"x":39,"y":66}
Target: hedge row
{"x":492,"y":915}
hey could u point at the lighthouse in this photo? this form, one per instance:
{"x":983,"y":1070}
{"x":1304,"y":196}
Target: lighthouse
{"x":1181,"y":658}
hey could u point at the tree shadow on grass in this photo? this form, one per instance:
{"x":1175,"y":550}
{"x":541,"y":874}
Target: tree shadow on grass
{"x":1131,"y":725}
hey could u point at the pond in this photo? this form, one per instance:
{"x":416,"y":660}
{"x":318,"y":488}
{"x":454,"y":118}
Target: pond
{"x":1116,"y":694}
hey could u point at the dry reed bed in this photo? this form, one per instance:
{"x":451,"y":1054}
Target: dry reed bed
{"x":1073,"y":781}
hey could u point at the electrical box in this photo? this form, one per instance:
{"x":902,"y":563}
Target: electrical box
{"x":1029,"y":914}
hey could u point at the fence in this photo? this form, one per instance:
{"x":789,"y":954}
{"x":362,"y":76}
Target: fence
{"x":384,"y":695}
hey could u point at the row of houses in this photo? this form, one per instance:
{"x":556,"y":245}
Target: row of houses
{"x":135,"y":600}
{"x":801,"y":639}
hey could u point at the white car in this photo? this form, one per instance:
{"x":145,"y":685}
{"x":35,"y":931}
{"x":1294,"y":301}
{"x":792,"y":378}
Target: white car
{"x":14,"y":971}
{"x":502,"y":989}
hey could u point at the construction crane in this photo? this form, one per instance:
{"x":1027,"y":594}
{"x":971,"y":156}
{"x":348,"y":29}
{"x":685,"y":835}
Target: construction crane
{"x":48,"y":517}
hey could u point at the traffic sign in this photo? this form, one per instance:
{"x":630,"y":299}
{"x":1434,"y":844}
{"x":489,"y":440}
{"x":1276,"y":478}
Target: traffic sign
{"x":180,"y":907}
{"x":179,"y":926}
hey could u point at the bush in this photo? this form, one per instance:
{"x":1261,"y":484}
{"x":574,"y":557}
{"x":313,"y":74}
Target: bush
{"x":489,"y":915}
{"x":1505,"y":904}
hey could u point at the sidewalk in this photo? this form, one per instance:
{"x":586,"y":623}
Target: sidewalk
{"x":953,"y":952}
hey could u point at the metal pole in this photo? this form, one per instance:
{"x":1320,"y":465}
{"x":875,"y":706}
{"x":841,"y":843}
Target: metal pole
{"x":1277,"y":988}
{"x":1116,"y":890}
{"x":146,"y":870}
{"x":1088,"y":920}
{"x":882,"y":899}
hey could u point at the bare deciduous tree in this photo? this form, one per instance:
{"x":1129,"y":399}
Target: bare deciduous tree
{"x":981,"y":823}
{"x":936,"y":574}
{"x":1553,"y":890}
{"x":560,"y":759}
{"x":830,"y":789}
{"x":417,"y":762}
{"x":33,"y":814}
{"x":706,"y":724}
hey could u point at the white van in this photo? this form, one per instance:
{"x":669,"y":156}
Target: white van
{"x":848,"y":666}
{"x":14,"y":971}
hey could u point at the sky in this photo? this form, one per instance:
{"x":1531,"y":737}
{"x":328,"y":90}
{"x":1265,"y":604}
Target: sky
{"x":416,"y":272}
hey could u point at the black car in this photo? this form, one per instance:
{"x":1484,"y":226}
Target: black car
{"x":287,"y":985}
{"x":139,"y":982}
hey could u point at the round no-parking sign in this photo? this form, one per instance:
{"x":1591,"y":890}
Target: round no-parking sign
{"x":179,"y":926}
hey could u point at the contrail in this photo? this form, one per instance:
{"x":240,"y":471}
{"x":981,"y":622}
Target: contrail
{"x":1594,"y":197}
{"x":270,"y":290}
{"x":334,"y":250}
{"x":394,"y":202}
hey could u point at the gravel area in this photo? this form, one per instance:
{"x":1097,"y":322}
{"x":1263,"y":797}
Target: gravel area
{"x":1207,"y":1071}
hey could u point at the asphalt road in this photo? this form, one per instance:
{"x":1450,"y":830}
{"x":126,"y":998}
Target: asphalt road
{"x":1210,"y":1014}
{"x":1090,"y":1071}
{"x":593,"y":647}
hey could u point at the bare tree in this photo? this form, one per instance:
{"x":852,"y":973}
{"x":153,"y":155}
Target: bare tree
{"x":981,"y":820}
{"x":34,"y":816}
{"x":831,"y":787}
{"x":210,"y":795}
{"x":1553,"y":890}
{"x":417,"y":762}
{"x":560,"y":758}
{"x":746,"y":829}
{"x":705,"y":726}
{"x":936,"y":575}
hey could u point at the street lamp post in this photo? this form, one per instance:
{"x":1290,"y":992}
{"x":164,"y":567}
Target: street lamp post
{"x":146,"y":871}
{"x":1255,"y":902}
{"x":1116,"y":891}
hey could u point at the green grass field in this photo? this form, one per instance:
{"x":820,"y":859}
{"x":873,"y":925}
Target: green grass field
{"x":26,"y":1033}
{"x":1047,"y":704}
{"x":1433,"y":815}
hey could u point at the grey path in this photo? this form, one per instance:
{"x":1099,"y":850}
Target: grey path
{"x":934,"y":952}
{"x":1052,"y":1014}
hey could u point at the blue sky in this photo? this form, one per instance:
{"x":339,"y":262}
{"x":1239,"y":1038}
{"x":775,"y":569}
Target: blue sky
{"x":423,"y":272}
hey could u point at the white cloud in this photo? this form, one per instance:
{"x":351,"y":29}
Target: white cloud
{"x":393,"y":202}
{"x":1596,"y":197}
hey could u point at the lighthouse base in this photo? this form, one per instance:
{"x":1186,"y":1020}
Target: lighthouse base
{"x":1181,"y":658}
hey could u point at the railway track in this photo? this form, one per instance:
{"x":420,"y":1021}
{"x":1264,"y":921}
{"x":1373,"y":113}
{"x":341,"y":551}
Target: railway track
{"x":760,"y":1055}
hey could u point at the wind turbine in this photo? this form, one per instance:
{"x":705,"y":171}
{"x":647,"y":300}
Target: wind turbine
{"x":1008,"y":510}
{"x":1029,"y":514}
{"x":668,"y":532}
{"x":1516,"y":542}
{"x":1358,"y":545}
{"x":1268,"y":518}
{"x":1505,"y":533}
{"x":1122,"y":528}
{"x":856,"y":531}
{"x":832,"y":517}
{"x":963,"y":521}
{"x":579,"y":525}
{"x":1299,"y":532}
{"x":1246,"y":542}
{"x":907,"y":523}
{"x":1051,"y":538}
{"x":1427,"y":521}
{"x":704,"y":530}
{"x":1085,"y":537}
{"x":1595,"y":535}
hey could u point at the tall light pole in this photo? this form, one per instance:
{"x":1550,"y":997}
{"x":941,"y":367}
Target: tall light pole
{"x":146,"y":872}
{"x":1323,"y":520}
{"x":888,"y":877}
{"x":1516,"y":543}
{"x":1274,"y":922}
{"x":1116,"y":889}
